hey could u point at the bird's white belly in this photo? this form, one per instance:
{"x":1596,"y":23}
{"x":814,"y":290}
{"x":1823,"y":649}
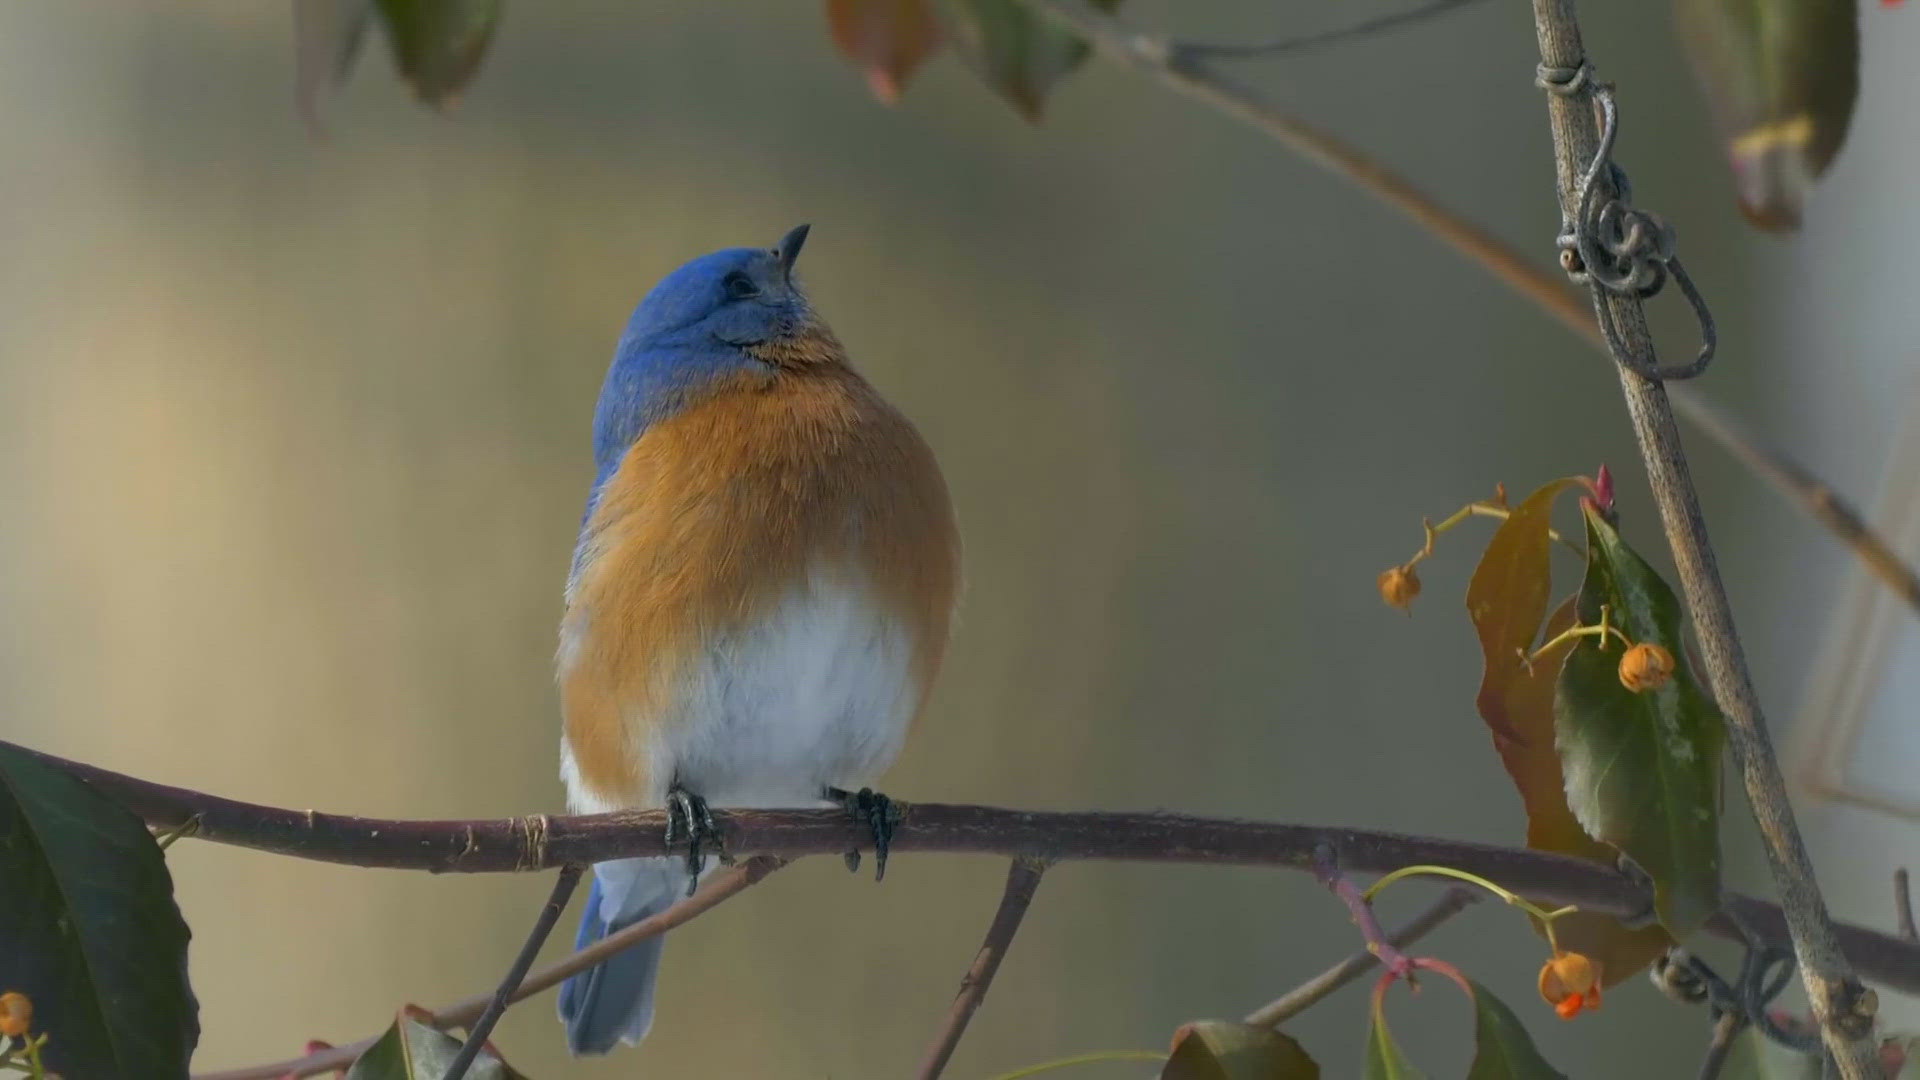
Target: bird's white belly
{"x":819,"y":691}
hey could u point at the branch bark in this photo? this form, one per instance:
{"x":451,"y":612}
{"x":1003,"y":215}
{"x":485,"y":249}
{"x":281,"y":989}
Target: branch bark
{"x":1844,"y":1009}
{"x":541,"y":842}
{"x":1166,"y":63}
{"x":1023,"y":877}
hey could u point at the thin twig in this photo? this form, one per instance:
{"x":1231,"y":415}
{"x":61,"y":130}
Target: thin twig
{"x":1314,"y":990}
{"x":1845,"y":1011}
{"x":721,"y":886}
{"x":482,"y":1028}
{"x":1326,"y":867}
{"x":1726,"y":1029}
{"x":539,"y":843}
{"x":1161,"y":60}
{"x":1023,"y":877}
{"x":1190,"y":50}
{"x":1903,"y":905}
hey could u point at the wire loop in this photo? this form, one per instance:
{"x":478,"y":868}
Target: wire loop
{"x":1765,"y":971}
{"x":1613,"y":247}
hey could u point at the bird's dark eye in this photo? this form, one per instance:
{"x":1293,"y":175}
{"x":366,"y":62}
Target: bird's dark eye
{"x":739,"y":286}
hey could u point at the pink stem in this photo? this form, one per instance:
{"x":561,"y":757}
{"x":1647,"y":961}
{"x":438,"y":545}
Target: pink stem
{"x":1397,"y":964}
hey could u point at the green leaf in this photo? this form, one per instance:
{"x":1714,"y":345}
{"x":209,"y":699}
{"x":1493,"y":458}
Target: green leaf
{"x":1502,"y":1049}
{"x":89,"y":929}
{"x":438,"y":44}
{"x":886,"y":39}
{"x":1019,"y":53}
{"x":1643,"y":769}
{"x":1781,"y":77}
{"x":1229,"y":1050}
{"x":1506,"y":599}
{"x":411,"y":1050}
{"x":1384,"y":1059}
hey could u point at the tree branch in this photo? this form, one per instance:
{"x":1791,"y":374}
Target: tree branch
{"x":540,"y":842}
{"x":1314,"y":990}
{"x":1023,"y":877}
{"x":1266,"y":50}
{"x":1166,"y":63}
{"x":1844,"y":1009}
{"x":722,"y":885}
{"x":542,"y":926}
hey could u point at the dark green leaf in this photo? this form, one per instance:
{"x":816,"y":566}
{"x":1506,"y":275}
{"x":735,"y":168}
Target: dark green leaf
{"x":327,"y":35}
{"x":410,"y":1050}
{"x":1229,"y":1050}
{"x":887,"y":39}
{"x":1502,"y":1049}
{"x":1019,"y":53}
{"x":1384,"y":1059}
{"x":1781,"y":76}
{"x":89,"y":930}
{"x":438,"y":44}
{"x":1643,"y":769}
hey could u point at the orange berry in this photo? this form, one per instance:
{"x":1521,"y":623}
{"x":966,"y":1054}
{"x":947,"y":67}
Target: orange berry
{"x":16,"y":1014}
{"x":1399,"y":586}
{"x":1645,"y":666}
{"x":1570,"y":983}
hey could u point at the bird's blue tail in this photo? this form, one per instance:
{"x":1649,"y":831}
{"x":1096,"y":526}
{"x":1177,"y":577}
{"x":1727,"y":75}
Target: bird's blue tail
{"x":613,"y":1002}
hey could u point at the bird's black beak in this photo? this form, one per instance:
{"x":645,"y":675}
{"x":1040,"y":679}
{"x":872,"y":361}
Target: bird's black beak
{"x":789,"y":248}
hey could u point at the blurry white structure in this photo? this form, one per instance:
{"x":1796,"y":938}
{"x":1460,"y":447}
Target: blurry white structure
{"x":1860,"y":739}
{"x":1851,"y":329}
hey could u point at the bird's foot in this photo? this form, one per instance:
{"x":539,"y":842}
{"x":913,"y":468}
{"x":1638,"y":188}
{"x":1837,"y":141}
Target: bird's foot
{"x":689,"y":818}
{"x":878,"y":813}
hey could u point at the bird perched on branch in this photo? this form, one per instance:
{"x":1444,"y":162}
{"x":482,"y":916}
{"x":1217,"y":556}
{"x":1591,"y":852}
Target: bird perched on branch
{"x":759,"y":599}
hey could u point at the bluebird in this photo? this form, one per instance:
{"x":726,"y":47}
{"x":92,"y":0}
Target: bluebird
{"x":759,"y":599}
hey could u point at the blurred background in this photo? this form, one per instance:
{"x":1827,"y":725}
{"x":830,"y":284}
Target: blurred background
{"x":294,"y":437}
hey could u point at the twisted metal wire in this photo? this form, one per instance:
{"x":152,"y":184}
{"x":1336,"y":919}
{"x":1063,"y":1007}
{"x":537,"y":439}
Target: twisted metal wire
{"x":1613,"y":247}
{"x":1765,"y":971}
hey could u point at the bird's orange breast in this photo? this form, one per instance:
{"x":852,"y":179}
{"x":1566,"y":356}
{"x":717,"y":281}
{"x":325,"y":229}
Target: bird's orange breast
{"x":713,"y":515}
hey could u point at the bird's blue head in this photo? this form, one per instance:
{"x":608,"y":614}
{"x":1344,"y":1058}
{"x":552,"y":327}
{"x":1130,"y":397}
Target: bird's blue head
{"x":721,"y":314}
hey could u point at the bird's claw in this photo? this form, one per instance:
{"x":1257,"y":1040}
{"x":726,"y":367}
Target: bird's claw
{"x":688,"y":817}
{"x":879,"y":814}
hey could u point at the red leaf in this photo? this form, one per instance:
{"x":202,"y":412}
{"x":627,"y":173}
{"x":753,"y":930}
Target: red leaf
{"x":887,"y":39}
{"x":1507,"y":600}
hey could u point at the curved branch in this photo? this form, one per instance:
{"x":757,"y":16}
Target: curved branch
{"x":540,"y":842}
